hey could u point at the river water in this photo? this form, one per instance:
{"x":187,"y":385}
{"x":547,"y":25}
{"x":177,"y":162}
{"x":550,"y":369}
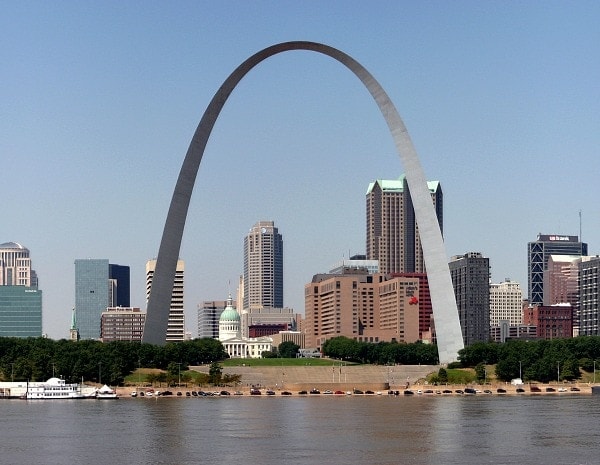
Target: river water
{"x":318,"y":430}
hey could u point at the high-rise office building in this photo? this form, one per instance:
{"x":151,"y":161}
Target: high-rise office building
{"x":538,"y":253}
{"x":20,"y":298}
{"x":589,"y":296}
{"x":392,"y":232}
{"x":263,"y":267}
{"x":120,"y":281}
{"x":98,"y":285}
{"x":561,"y":278}
{"x":208,"y":317}
{"x":15,"y":266}
{"x":506,"y":303}
{"x":176,"y":323}
{"x":471,"y":280}
{"x":20,"y":311}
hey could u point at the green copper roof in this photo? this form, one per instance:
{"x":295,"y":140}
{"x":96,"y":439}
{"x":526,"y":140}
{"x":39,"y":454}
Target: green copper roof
{"x":230,"y":313}
{"x":396,"y":185}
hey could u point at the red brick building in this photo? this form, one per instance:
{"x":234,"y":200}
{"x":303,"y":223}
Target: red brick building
{"x":552,"y":321}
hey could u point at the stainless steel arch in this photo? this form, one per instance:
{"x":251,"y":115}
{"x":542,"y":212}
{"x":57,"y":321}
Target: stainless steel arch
{"x":447,"y":324}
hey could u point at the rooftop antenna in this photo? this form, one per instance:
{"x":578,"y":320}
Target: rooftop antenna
{"x":580,"y":235}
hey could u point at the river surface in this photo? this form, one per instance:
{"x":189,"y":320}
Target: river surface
{"x":382,"y":430}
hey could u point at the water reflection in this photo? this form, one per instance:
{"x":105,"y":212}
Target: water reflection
{"x":378,"y":430}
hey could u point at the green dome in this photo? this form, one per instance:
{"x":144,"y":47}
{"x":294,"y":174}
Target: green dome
{"x":229,"y":314}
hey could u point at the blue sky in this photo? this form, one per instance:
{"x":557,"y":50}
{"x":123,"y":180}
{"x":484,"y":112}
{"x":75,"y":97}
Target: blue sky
{"x":99,"y":101}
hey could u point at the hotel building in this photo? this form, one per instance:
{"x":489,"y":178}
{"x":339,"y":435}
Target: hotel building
{"x":392,"y":231}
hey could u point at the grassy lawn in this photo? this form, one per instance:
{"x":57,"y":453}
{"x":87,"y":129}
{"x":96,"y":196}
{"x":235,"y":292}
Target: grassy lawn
{"x":139,"y":376}
{"x":277,"y":362}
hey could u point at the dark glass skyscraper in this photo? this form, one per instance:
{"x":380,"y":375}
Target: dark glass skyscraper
{"x":471,"y":280}
{"x":538,"y":253}
{"x":96,"y":288}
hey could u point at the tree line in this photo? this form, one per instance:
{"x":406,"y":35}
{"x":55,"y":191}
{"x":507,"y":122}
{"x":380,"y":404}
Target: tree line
{"x":536,"y":360}
{"x":38,"y":359}
{"x":382,"y":353}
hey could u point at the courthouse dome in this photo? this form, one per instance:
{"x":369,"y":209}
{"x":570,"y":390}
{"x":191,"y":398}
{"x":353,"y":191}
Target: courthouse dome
{"x":12,"y":245}
{"x":230,"y":313}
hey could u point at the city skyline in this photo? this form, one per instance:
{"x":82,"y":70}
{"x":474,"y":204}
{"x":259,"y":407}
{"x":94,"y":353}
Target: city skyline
{"x":498,"y":100}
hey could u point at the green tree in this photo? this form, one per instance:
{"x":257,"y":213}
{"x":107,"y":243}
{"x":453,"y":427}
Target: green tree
{"x":214,"y":373}
{"x":480,"y":372}
{"x":442,"y":376}
{"x":288,"y":349}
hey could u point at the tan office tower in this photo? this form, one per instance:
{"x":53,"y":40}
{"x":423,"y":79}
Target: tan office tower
{"x":176,"y":325}
{"x":263,"y":267}
{"x":392,"y":232}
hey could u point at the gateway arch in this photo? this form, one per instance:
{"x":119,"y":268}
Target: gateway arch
{"x":445,"y":311}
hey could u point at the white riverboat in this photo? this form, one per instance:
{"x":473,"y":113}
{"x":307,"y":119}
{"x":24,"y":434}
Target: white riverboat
{"x":53,"y":389}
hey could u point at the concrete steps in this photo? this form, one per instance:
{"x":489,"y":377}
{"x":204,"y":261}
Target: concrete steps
{"x":396,"y":376}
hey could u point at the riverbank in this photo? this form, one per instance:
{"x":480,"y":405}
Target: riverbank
{"x":497,"y":389}
{"x":344,"y":378}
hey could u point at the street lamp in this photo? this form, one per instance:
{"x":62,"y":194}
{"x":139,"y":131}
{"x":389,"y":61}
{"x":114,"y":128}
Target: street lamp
{"x":520,"y":375}
{"x":558,"y":372}
{"x":594,"y":371}
{"x":178,"y":374}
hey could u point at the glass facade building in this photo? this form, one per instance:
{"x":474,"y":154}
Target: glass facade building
{"x":538,"y":253}
{"x":20,"y":311}
{"x":96,"y":289}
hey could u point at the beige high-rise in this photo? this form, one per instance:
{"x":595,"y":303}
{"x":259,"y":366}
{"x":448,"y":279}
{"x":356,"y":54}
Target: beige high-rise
{"x":176,"y":325}
{"x":392,"y":232}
